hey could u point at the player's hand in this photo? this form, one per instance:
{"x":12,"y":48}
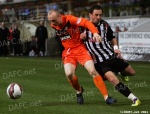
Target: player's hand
{"x":118,"y":53}
{"x":82,"y":36}
{"x":97,"y":37}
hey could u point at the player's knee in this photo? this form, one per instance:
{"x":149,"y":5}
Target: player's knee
{"x":69,"y":75}
{"x":113,"y":80}
{"x":132,"y":73}
{"x":129,"y":71}
{"x":93,"y":72}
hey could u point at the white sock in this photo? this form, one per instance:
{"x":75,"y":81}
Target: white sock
{"x":78,"y":92}
{"x":131,"y":96}
{"x":105,"y":97}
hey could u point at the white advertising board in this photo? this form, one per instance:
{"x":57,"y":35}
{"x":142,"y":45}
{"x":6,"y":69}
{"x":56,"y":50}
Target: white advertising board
{"x":128,"y":23}
{"x":135,"y":45}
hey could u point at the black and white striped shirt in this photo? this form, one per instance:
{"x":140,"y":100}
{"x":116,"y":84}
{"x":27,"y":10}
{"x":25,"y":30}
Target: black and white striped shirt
{"x":100,"y":51}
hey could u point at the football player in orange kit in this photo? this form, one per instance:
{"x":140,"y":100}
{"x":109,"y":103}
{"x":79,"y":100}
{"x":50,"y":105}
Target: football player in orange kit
{"x":67,"y":28}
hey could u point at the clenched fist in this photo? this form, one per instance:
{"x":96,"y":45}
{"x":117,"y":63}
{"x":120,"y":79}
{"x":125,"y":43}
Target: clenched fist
{"x":97,"y":37}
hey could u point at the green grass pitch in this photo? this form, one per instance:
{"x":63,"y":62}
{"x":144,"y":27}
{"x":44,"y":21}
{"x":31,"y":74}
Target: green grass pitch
{"x":46,"y":90}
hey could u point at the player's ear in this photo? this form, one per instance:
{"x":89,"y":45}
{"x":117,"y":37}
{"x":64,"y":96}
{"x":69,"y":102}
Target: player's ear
{"x":90,"y":15}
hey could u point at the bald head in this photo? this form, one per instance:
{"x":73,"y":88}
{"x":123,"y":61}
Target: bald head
{"x":53,"y":12}
{"x":41,"y":23}
{"x":54,"y":17}
{"x":2,"y":24}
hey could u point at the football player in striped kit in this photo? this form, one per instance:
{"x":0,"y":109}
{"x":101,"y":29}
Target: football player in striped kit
{"x":106,"y":55}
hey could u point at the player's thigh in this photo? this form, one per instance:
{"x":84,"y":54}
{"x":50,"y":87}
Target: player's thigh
{"x":69,"y":69}
{"x":68,"y":58}
{"x":89,"y":66}
{"x":110,"y":76}
{"x":129,"y":71}
{"x":82,"y":55}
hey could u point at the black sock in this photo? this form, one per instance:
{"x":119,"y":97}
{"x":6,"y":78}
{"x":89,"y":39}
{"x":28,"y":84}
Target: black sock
{"x":123,"y":89}
{"x":123,"y":74}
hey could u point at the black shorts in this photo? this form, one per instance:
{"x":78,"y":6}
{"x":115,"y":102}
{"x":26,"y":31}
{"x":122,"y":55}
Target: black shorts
{"x":114,"y":65}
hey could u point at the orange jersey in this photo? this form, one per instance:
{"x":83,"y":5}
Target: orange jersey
{"x":69,"y":31}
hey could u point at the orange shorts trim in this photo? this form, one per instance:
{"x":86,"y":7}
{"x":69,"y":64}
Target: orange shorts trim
{"x":76,"y":55}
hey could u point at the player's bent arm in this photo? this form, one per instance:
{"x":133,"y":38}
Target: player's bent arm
{"x":87,"y":24}
{"x":114,"y":43}
{"x":116,"y":48}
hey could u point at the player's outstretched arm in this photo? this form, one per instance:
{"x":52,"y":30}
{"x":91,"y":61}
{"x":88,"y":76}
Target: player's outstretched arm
{"x":87,"y":24}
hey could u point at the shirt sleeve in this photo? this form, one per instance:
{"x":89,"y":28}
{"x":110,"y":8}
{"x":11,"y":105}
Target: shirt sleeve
{"x":110,"y":35}
{"x":84,"y":23}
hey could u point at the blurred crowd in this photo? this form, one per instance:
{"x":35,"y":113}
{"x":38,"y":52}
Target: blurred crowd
{"x":11,"y":44}
{"x":9,"y":40}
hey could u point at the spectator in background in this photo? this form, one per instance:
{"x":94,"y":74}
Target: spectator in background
{"x":41,"y":34}
{"x":33,"y":46}
{"x":4,"y":34}
{"x":10,"y":40}
{"x":16,"y":40}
